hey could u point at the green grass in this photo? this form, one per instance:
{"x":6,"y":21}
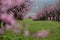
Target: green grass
{"x":35,"y":26}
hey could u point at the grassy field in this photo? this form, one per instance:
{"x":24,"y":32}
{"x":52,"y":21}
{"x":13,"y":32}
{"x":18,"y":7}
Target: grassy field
{"x":35,"y":26}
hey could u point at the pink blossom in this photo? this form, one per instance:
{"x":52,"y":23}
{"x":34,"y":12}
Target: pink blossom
{"x":42,"y":33}
{"x":2,"y":30}
{"x":16,"y":30}
{"x":3,"y":16}
{"x":8,"y":18}
{"x":7,"y":4}
{"x":19,"y":2}
{"x":8,"y":27}
{"x":26,"y":33}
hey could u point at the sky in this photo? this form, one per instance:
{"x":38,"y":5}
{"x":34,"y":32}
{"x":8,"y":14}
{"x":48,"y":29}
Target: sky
{"x":36,"y":5}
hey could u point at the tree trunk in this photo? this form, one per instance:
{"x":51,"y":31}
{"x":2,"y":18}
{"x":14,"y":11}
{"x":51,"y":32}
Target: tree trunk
{"x":53,"y":18}
{"x":50,"y":18}
{"x":58,"y":18}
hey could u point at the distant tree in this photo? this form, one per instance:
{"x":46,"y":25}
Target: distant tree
{"x":51,"y":12}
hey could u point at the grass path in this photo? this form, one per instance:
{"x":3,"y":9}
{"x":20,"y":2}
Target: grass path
{"x":35,"y":26}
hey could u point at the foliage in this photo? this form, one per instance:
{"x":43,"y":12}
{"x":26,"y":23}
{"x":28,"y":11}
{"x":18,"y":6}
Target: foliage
{"x":35,"y":26}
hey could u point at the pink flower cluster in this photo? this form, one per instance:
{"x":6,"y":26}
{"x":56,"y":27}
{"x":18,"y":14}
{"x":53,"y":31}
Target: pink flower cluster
{"x":42,"y":33}
{"x":8,"y":18}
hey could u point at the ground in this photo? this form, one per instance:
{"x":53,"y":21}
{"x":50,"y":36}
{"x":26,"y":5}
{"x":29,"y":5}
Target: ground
{"x":34,"y":26}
